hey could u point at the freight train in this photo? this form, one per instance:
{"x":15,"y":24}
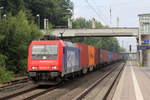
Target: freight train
{"x":53,"y":60}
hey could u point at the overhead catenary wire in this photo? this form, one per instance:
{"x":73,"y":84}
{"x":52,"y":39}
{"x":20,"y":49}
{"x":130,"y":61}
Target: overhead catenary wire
{"x":95,"y":11}
{"x":112,"y":19}
{"x":105,"y":15}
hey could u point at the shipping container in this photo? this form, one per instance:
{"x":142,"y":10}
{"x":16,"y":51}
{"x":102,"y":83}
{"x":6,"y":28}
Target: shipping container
{"x":83,"y":54}
{"x":97,"y":56}
{"x":110,"y":56}
{"x":115,"y":56}
{"x":71,"y":57}
{"x":103,"y":56}
{"x":118,"y":56}
{"x":121,"y":56}
{"x":91,"y":55}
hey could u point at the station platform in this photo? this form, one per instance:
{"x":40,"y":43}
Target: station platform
{"x":134,"y":83}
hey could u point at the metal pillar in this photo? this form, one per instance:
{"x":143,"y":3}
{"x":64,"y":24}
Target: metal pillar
{"x":117,"y":21}
{"x":45,"y":24}
{"x":1,"y":8}
{"x":38,"y":19}
{"x":69,"y":23}
{"x":93,"y":23}
{"x":140,"y":43}
{"x":140,"y":51}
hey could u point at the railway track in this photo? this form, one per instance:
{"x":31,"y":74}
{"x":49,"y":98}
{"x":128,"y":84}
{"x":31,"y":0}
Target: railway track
{"x":13,"y":84}
{"x":86,"y":91}
{"x":39,"y":92}
{"x":72,"y":89}
{"x":17,"y":94}
{"x":43,"y":92}
{"x":116,"y":80}
{"x":31,"y":93}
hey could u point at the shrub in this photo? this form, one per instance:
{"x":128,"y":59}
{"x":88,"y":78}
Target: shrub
{"x":5,"y":75}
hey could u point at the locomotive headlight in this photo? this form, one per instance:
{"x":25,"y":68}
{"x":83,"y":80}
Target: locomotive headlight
{"x":53,"y":67}
{"x":34,"y":67}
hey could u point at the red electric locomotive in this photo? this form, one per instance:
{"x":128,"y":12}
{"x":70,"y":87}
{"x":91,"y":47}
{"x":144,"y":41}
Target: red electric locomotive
{"x":49,"y":61}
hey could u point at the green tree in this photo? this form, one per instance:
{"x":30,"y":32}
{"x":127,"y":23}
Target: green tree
{"x":57,"y":11}
{"x":83,"y":23}
{"x":5,"y":75}
{"x":108,"y":43}
{"x":122,"y":49}
{"x":17,"y":34}
{"x":13,"y":6}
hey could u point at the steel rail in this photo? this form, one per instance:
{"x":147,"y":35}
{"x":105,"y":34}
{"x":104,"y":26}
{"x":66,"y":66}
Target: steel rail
{"x":17,"y":94}
{"x":43,"y":92}
{"x":14,"y":82}
{"x":86,"y":91}
{"x":110,"y":88}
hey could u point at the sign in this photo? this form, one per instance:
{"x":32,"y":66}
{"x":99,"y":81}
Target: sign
{"x":146,"y":42}
{"x":143,"y":47}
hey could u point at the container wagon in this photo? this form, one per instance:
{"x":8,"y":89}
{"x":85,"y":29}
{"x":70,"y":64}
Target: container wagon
{"x":91,"y":57}
{"x":110,"y":57}
{"x":97,"y":57}
{"x":104,"y":57}
{"x":84,"y":61}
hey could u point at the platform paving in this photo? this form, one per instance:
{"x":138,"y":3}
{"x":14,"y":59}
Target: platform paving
{"x":134,"y":83}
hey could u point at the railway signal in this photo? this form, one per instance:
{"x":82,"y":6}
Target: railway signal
{"x":130,"y":47}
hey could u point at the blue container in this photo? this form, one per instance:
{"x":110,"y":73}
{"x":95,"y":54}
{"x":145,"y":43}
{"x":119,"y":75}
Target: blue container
{"x":71,"y":59}
{"x":121,"y":56}
{"x":110,"y":57}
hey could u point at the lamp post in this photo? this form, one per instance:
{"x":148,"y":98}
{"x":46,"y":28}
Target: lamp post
{"x":4,"y":16}
{"x":38,"y":18}
{"x":61,"y":35}
{"x":1,"y":12}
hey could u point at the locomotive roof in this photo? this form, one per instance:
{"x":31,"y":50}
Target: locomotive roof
{"x":70,"y":44}
{"x":65,"y":43}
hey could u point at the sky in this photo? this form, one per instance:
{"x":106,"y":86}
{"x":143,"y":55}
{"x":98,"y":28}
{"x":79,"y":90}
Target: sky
{"x":126,"y":10}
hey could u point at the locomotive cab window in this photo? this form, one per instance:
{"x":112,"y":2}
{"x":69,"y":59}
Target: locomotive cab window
{"x":44,"y":52}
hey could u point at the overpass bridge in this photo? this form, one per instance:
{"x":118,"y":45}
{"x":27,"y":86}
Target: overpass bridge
{"x":103,"y":32}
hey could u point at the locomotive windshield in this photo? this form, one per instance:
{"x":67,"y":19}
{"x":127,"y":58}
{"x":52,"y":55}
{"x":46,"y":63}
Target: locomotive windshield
{"x":44,"y":52}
